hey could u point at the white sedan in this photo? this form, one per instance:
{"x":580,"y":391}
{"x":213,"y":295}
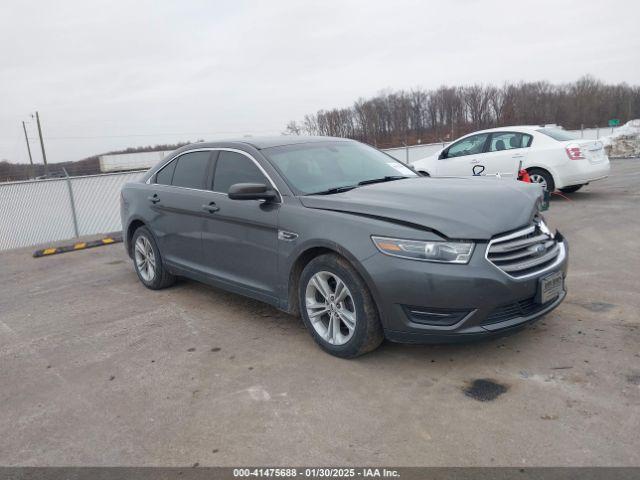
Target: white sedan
{"x":553,"y":157}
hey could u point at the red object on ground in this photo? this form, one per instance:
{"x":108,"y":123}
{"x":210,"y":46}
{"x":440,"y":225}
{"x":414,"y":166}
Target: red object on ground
{"x":523,"y":176}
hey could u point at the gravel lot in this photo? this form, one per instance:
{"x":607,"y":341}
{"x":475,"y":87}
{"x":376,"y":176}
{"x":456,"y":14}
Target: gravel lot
{"x":97,"y":370}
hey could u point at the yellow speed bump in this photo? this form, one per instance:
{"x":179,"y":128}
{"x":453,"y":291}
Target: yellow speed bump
{"x":107,"y":240}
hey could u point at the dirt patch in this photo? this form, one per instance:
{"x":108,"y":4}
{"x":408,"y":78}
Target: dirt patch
{"x":634,"y":378}
{"x":597,"y":307}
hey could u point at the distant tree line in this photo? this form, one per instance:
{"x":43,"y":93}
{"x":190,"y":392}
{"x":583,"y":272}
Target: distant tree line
{"x":13,"y":172}
{"x":395,"y":118}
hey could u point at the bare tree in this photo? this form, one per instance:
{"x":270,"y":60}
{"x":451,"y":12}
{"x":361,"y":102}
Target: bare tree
{"x":393,"y":118}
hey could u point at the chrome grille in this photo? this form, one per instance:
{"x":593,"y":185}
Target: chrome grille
{"x":526,"y":252}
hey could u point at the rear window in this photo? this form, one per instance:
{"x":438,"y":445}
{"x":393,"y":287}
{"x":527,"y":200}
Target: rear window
{"x":191,"y":170}
{"x":557,"y":134}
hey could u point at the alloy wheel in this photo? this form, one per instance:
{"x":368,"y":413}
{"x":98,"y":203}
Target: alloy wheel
{"x":145,"y":258}
{"x":330,"y":308}
{"x":539,"y":179}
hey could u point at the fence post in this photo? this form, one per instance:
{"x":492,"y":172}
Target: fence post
{"x":582,"y":130}
{"x":407,"y":155}
{"x":73,"y":202}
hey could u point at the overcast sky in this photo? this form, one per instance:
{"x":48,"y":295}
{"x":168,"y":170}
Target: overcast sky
{"x":112,"y":74}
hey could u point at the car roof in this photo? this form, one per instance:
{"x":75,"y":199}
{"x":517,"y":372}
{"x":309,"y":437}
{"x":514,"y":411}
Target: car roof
{"x":268,"y":142}
{"x":512,"y":128}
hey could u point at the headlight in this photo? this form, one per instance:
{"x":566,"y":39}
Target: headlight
{"x":444,"y":252}
{"x":542,"y":225}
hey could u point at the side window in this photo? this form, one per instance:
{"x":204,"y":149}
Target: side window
{"x":191,"y":170}
{"x":232,"y":168}
{"x":164,"y":176}
{"x":468,"y":146}
{"x":509,"y":140}
{"x":527,"y":140}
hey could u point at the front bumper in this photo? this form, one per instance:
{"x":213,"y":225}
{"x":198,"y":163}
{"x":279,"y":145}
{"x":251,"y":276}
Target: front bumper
{"x":495,"y":303}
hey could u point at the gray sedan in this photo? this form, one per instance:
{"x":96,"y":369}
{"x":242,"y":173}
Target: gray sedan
{"x":350,"y":239}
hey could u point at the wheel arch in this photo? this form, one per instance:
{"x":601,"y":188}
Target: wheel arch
{"x":550,"y":171}
{"x":133,"y":225}
{"x":308,"y":253}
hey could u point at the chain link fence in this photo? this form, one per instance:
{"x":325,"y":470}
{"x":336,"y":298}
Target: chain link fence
{"x":412,"y":153}
{"x":38,"y":211}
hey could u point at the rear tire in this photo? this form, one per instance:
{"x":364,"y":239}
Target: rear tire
{"x":540,"y":176}
{"x":337,"y":307}
{"x":148,"y":262}
{"x":571,"y":189}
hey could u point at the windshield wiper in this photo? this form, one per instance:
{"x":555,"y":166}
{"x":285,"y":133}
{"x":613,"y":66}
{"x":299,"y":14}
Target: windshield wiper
{"x":346,"y":188}
{"x":331,"y":191}
{"x":388,"y":178}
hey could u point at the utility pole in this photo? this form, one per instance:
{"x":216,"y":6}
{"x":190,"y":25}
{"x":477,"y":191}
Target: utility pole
{"x":28,"y":149}
{"x":44,"y":155}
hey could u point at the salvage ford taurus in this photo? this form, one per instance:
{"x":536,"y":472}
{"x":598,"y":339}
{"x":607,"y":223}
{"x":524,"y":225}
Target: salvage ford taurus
{"x":349,"y":238}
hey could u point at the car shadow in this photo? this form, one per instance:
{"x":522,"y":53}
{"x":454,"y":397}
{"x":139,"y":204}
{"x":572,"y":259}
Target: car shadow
{"x":267,"y":320}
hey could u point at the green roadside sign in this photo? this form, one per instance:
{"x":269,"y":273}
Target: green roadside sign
{"x":614,"y":122}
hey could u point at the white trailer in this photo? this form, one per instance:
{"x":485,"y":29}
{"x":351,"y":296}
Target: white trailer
{"x":122,"y":162}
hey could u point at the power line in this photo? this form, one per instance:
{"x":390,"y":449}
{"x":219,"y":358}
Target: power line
{"x":130,"y":135}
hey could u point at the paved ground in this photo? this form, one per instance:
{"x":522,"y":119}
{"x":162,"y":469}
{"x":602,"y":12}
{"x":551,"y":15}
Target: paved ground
{"x":97,"y":370}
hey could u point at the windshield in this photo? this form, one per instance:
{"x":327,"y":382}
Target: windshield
{"x":319,"y":167}
{"x":557,"y":134}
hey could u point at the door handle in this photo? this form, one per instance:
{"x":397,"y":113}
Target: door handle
{"x":154,"y":198}
{"x":518,"y":155}
{"x":210,"y":207}
{"x":475,"y":160}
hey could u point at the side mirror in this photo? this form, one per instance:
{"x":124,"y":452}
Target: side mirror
{"x":443,"y":154}
{"x":251,"y":191}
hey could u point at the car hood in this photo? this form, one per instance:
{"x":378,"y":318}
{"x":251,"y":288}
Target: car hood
{"x":457,"y":208}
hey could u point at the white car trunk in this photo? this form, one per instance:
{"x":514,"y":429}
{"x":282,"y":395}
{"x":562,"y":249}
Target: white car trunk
{"x":592,"y":150}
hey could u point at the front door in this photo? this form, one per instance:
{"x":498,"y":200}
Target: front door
{"x":240,"y":237}
{"x":463,"y":158}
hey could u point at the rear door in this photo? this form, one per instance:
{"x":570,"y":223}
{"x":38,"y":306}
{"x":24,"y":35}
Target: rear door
{"x":505,"y":151}
{"x":462,"y":157}
{"x":179,"y":194}
{"x":240,"y":237}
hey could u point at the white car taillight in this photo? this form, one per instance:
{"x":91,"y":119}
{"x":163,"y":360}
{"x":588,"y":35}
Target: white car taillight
{"x":574,"y":152}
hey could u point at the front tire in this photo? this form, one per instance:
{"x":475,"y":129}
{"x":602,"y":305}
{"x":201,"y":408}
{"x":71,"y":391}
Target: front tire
{"x":148,"y":261}
{"x":543,"y":178}
{"x":337,"y":307}
{"x":571,"y":189}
